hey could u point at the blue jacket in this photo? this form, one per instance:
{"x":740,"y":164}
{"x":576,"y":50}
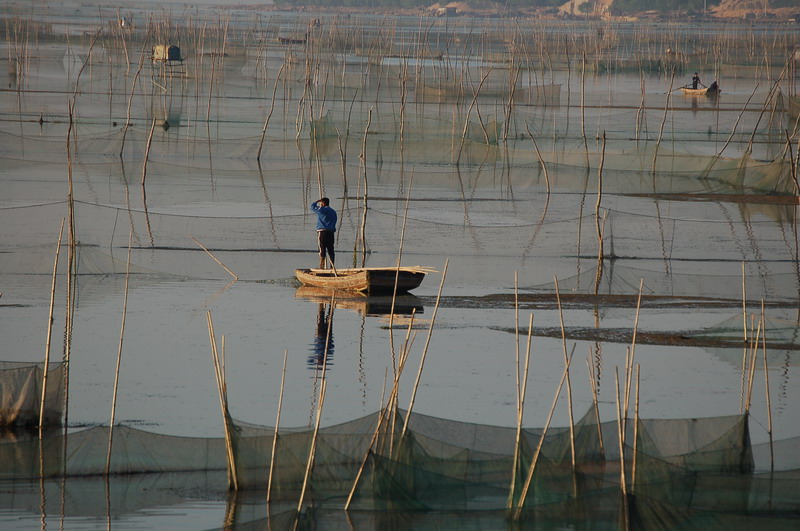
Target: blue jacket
{"x":326,"y":217}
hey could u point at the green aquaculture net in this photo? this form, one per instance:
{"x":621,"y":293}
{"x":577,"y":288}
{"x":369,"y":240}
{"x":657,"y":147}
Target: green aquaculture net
{"x":691,"y":465}
{"x":21,"y":385}
{"x":686,"y":473}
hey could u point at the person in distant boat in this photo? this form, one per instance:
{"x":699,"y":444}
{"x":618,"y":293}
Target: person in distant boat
{"x":713,"y":87}
{"x":696,"y":81}
{"x":326,"y":227}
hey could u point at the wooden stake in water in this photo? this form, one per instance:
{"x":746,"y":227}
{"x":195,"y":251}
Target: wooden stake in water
{"x":635,"y":429}
{"x":235,"y":277}
{"x":593,"y":385}
{"x":275,"y":435}
{"x":535,"y":459}
{"x":569,"y":384}
{"x":541,"y":160}
{"x":388,"y":411}
{"x":424,"y":351}
{"x":313,"y":450}
{"x":363,"y":157}
{"x":663,"y":121}
{"x":269,"y":115}
{"x":766,"y":389}
{"x":744,"y":338}
{"x":520,"y":414}
{"x":219,"y":374}
{"x":629,"y":366}
{"x":147,"y":150}
{"x":49,"y":331}
{"x":119,"y":358}
{"x":621,"y":436}
{"x":397,"y":272}
{"x":600,"y":251}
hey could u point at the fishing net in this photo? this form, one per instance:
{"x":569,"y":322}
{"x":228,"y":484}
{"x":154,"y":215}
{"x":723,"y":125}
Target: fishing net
{"x":691,"y":468}
{"x":21,"y":397}
{"x":779,"y":333}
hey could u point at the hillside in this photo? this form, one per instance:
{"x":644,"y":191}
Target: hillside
{"x":742,"y":8}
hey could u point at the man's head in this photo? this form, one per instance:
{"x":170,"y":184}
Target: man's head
{"x":324,"y":201}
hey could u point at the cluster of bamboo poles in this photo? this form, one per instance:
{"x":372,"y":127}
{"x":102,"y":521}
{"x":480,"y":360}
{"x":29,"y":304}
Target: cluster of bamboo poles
{"x":389,"y":413}
{"x":219,"y":37}
{"x":525,"y":47}
{"x":626,"y":398}
{"x":530,"y":46}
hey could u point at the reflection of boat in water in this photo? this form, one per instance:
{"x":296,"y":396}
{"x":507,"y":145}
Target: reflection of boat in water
{"x":364,"y":279}
{"x":367,"y":305}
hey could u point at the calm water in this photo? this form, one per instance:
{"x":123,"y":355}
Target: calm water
{"x":491,"y":217}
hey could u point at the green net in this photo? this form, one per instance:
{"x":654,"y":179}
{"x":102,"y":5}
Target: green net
{"x":21,"y":385}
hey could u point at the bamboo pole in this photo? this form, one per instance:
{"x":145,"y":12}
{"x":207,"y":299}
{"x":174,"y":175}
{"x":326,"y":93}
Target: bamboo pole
{"x":529,"y":477}
{"x":313,"y":449}
{"x":269,"y":115}
{"x":397,"y":272}
{"x":541,"y":160}
{"x":599,"y":230}
{"x":375,"y":435}
{"x":520,"y":414}
{"x":635,"y":429}
{"x":130,"y":98}
{"x":235,"y":277}
{"x":119,"y":358}
{"x":46,"y":367}
{"x":147,"y":150}
{"x":569,"y":384}
{"x":593,"y":385}
{"x":744,"y":338}
{"x":629,"y":366}
{"x":621,"y":436}
{"x":466,"y":119}
{"x":752,"y":367}
{"x":766,"y":390}
{"x":277,"y":423}
{"x":233,"y":480}
{"x":663,"y":121}
{"x":733,"y":131}
{"x":516,"y":337}
{"x":424,"y":351}
{"x":363,"y":157}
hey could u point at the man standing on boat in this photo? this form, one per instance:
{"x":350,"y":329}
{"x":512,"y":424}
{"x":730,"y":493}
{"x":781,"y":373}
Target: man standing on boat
{"x":696,"y":81}
{"x":326,"y":227}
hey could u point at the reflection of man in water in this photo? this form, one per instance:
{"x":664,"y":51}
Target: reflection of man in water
{"x":317,"y":359}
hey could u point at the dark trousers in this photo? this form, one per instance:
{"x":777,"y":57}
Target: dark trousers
{"x":325,"y":247}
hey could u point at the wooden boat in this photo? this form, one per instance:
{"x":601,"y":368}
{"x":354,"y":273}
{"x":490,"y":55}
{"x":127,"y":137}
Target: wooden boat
{"x":293,"y":39}
{"x":364,"y":279}
{"x":705,"y":91}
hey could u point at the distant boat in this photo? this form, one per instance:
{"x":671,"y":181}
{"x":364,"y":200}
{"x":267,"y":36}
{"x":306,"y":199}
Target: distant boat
{"x":713,"y":90}
{"x":293,"y":39}
{"x":364,"y":279}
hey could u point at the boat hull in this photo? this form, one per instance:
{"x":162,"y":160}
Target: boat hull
{"x":699,"y":92}
{"x":367,"y":280}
